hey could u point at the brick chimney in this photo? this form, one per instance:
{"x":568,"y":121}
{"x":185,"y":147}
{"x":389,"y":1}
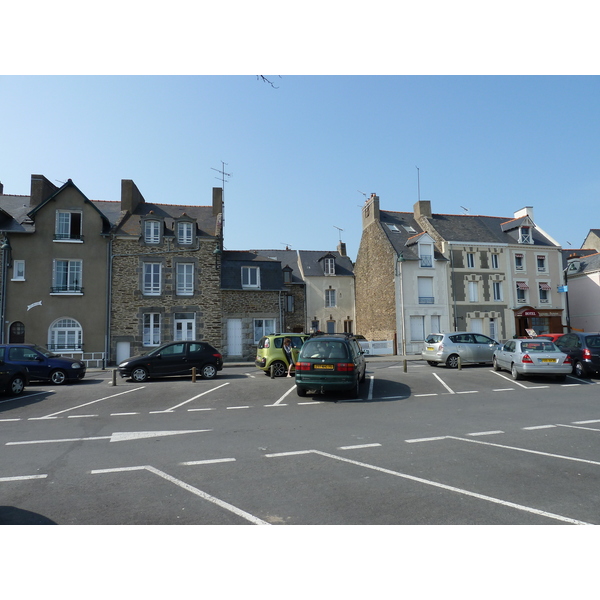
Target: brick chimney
{"x":130,"y":196}
{"x":41,"y":190}
{"x":370,"y":211}
{"x":217,"y":201}
{"x":422,"y":208}
{"x":342,"y":249}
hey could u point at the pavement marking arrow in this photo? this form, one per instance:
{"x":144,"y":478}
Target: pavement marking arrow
{"x":120,"y":436}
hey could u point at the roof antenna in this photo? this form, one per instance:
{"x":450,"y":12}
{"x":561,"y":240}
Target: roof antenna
{"x":340,"y":231}
{"x":464,"y":208}
{"x":418,"y":184}
{"x":223,"y":175}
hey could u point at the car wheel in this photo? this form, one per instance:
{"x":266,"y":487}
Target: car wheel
{"x":495,"y":365}
{"x":58,"y":377}
{"x":579,"y":370}
{"x":17,"y":385}
{"x":432,"y":363}
{"x":452,"y":361}
{"x":301,"y":392}
{"x":208,"y":371}
{"x":515,"y":374}
{"x":279,"y":369}
{"x":139,"y":374}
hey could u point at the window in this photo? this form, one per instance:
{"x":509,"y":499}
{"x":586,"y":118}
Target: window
{"x":152,"y":232}
{"x":151,"y":333}
{"x":522,"y":288}
{"x":470,"y":260}
{"x":435,"y":323}
{"x":544,"y":289}
{"x":67,"y":276}
{"x":184,"y":233}
{"x":425,"y":289}
{"x":497,"y":290}
{"x":495,"y":261}
{"x":68,"y":225}
{"x":289,"y":303}
{"x":287,"y":275}
{"x":473,"y":291}
{"x":519,"y":265}
{"x":263,"y":327}
{"x":151,"y":285}
{"x":426,"y":255}
{"x":329,"y":266}
{"x":185,"y":279}
{"x":541,"y":263}
{"x":348,"y":326}
{"x":185,"y":326}
{"x":65,"y":334}
{"x":525,"y":235}
{"x":330,"y":298}
{"x":251,"y":277}
{"x":18,"y":270}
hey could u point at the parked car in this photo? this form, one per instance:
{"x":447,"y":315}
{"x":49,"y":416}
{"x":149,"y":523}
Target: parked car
{"x":448,"y":347}
{"x":173,"y":358}
{"x":42,"y":364}
{"x":330,"y":363}
{"x":270,"y":352}
{"x":584,"y":351}
{"x":552,"y":336}
{"x":538,"y":356}
{"x":13,"y":378}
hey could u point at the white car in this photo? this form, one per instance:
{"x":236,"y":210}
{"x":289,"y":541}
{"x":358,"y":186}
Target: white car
{"x":532,"y":357}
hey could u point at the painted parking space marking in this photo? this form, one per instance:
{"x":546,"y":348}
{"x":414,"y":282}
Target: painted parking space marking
{"x":527,"y":387}
{"x":125,"y":414}
{"x":586,"y":422}
{"x":358,"y":446}
{"x":450,"y":390}
{"x":22,"y":477}
{"x":429,"y":439}
{"x":189,"y":488}
{"x":80,"y":416}
{"x":60,"y":412}
{"x":578,"y":427}
{"x":26,"y":395}
{"x":191,"y":399}
{"x":235,"y":407}
{"x":539,"y":427}
{"x":209,"y":461}
{"x":284,"y":396}
{"x":485,"y":433}
{"x":450,"y":488}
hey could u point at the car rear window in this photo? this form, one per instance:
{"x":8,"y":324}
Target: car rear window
{"x":593,"y":341}
{"x":434,"y":339}
{"x":538,"y":347}
{"x":324,"y":349}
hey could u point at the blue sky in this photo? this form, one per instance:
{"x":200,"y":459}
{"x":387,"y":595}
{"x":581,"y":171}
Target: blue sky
{"x":300,"y":155}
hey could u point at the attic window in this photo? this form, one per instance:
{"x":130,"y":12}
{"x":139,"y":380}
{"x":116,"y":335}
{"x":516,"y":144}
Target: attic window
{"x":329,"y":266}
{"x":392,"y":227}
{"x":525,"y":235}
{"x":409,"y":228}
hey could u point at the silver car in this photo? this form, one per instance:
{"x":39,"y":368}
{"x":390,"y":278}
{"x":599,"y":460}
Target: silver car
{"x":532,"y":357}
{"x":447,"y":348}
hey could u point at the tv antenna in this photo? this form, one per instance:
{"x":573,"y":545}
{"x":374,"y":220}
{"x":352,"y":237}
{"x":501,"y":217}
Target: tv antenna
{"x":340,"y":232}
{"x":223,"y":175}
{"x":360,"y":193}
{"x":464,"y":208}
{"x":418,"y":184}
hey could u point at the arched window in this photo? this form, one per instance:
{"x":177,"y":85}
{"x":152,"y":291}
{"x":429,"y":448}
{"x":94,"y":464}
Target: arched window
{"x":65,"y":334}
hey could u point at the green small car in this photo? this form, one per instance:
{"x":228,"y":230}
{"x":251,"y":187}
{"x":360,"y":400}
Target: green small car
{"x":270,"y":353}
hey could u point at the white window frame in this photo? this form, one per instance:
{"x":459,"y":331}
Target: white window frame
{"x":251,"y":277}
{"x":525,"y":235}
{"x":425,"y":290}
{"x":329,"y":266}
{"x":64,"y":226}
{"x":152,"y":279}
{"x":544,"y":295}
{"x":18,"y":270}
{"x":262,"y":327}
{"x":185,"y":233}
{"x":519,"y":262}
{"x":497,"y":294}
{"x":470,"y":260}
{"x":521,"y":295}
{"x":417,"y":328}
{"x":543,"y":268}
{"x":65,"y":334}
{"x":473,"y":288}
{"x":67,"y":276}
{"x":185,"y":279}
{"x":330,"y":298}
{"x":495,"y":261}
{"x":152,"y":231}
{"x":151,"y":329}
{"x":426,"y":256}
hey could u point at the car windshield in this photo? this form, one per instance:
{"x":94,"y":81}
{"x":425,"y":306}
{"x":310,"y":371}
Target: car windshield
{"x":324,"y":349}
{"x":539,"y":347}
{"x":47,"y":353}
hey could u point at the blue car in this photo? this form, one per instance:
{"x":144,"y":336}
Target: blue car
{"x":43,"y":365}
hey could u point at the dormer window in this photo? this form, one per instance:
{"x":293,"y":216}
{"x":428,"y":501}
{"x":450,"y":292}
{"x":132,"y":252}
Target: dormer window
{"x":152,"y":231}
{"x":426,"y":255}
{"x":185,"y":233}
{"x":525,"y":236}
{"x":287,"y":275}
{"x":68,"y":225}
{"x":329,"y":266}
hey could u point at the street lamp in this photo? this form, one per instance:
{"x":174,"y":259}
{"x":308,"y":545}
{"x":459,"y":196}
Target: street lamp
{"x":399,"y":260}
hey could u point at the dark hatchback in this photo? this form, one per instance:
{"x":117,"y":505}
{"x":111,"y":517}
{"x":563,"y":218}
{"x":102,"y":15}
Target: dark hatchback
{"x":174,"y":358}
{"x":584,"y":351}
{"x":330,"y":363}
{"x":42,"y":364}
{"x":13,"y":378}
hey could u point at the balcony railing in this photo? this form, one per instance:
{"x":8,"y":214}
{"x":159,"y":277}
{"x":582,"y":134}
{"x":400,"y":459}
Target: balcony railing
{"x":426,"y":300}
{"x":426,"y":261}
{"x":68,"y":236}
{"x":67,"y":289}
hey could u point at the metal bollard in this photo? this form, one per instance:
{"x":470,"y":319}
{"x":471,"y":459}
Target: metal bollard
{"x":405,"y":365}
{"x":114,"y":377}
{"x":193,"y":374}
{"x":459,"y":364}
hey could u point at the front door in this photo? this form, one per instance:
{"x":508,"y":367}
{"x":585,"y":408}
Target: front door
{"x":16,"y":334}
{"x":234,"y":337}
{"x":185,"y":326}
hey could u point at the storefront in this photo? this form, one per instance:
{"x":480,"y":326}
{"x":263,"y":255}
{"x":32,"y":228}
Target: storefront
{"x":540,"y":321}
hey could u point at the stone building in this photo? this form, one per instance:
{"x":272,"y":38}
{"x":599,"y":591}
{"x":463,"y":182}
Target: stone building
{"x":165,"y":273}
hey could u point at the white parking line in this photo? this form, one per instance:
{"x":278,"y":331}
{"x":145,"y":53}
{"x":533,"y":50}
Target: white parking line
{"x":450,"y":391}
{"x":23,"y":477}
{"x":539,"y":427}
{"x":485,"y":433}
{"x":283,"y":397}
{"x":358,"y":446}
{"x":578,"y":427}
{"x":194,"y":398}
{"x":209,"y":461}
{"x":235,"y":407}
{"x":430,"y":439}
{"x":189,"y":488}
{"x":586,"y":422}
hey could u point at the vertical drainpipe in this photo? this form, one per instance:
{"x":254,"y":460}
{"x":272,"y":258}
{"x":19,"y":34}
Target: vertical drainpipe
{"x":453,"y":283}
{"x":108,"y":300}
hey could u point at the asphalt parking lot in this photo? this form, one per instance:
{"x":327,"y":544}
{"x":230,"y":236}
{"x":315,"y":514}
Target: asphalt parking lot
{"x":425,"y":446}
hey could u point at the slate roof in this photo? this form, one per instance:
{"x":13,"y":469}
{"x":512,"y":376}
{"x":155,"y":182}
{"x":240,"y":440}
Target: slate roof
{"x":288,"y":258}
{"x":271,"y":276}
{"x":312,"y":267}
{"x":13,"y":216}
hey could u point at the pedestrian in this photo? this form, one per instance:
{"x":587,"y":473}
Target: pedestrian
{"x":287,"y":350}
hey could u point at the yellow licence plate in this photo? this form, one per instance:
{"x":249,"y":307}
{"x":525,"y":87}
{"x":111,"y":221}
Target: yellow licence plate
{"x":326,"y":367}
{"x":549,"y":360}
{"x":430,"y":349}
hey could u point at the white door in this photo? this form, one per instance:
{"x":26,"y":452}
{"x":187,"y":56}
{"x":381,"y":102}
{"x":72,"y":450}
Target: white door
{"x":123,"y":351}
{"x":184,"y":329}
{"x":234,"y":337}
{"x":476,"y":325}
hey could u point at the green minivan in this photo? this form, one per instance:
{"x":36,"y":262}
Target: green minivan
{"x":270,"y":353}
